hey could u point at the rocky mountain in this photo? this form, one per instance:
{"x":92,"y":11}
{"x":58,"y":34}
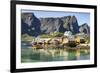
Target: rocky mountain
{"x":34,"y":26}
{"x":84,"y":28}
{"x":61,"y":24}
{"x":30,"y":24}
{"x":49,"y":25}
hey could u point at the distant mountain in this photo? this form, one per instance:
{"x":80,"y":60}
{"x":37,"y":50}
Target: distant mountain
{"x":34,"y":26}
{"x":84,"y":28}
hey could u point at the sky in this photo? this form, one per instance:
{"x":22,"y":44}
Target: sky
{"x":81,"y":17}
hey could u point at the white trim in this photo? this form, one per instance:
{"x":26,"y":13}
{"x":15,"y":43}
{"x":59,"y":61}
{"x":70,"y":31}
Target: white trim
{"x":51,"y":64}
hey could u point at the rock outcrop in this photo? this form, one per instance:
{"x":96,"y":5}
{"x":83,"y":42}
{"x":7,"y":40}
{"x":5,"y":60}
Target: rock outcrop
{"x":30,"y":24}
{"x":34,"y":26}
{"x":84,"y":28}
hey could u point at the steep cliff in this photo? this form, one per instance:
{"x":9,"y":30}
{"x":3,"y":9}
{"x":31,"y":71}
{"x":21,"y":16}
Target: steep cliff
{"x":84,"y":28}
{"x":34,"y":26}
{"x":30,"y":24}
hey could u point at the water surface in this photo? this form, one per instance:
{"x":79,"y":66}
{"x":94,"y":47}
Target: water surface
{"x":28,"y":54}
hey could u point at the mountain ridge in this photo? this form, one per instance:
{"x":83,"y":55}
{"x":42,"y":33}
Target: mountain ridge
{"x":34,"y":26}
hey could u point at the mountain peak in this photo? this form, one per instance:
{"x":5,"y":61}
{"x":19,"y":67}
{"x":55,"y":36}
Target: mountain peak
{"x":35,"y":26}
{"x":27,"y":18}
{"x":84,"y":28}
{"x":30,"y":24}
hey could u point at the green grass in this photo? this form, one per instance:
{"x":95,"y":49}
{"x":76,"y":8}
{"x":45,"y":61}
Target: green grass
{"x":26,"y":37}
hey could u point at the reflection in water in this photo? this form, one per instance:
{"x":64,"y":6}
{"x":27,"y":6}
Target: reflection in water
{"x":51,"y":53}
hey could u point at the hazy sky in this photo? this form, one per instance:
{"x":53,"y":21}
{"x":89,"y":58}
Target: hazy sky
{"x":81,"y":17}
